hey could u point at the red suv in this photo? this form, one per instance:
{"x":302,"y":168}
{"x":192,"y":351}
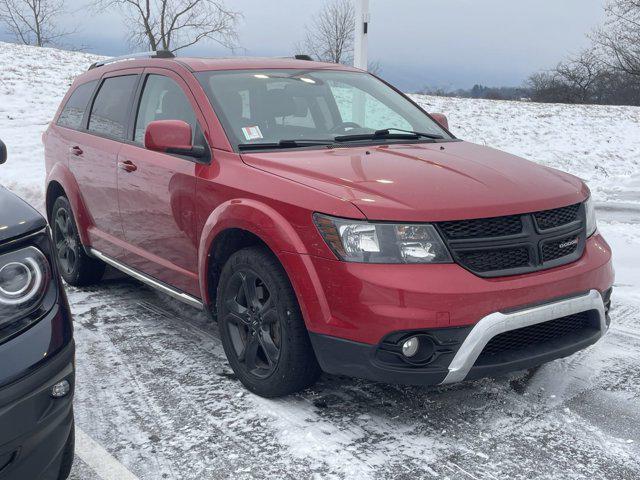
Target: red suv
{"x":325,"y":219}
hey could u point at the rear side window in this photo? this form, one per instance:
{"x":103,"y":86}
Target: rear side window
{"x":162,"y":99}
{"x":111,"y":106}
{"x":73,"y":111}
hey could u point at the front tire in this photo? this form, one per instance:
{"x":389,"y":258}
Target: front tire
{"x":261,"y":325}
{"x":76,"y":267}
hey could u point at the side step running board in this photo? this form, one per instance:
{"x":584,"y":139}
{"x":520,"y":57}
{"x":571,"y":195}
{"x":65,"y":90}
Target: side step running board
{"x":152,"y":282}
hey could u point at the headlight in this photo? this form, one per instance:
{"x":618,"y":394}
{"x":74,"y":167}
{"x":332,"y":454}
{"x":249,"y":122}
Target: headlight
{"x":364,"y":242}
{"x":590,"y":212}
{"x":24,"y":277}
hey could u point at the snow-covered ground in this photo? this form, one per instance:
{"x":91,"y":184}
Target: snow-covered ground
{"x":155,"y":391}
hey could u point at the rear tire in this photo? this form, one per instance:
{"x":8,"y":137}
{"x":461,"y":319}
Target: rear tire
{"x":261,"y":325}
{"x":76,"y":267}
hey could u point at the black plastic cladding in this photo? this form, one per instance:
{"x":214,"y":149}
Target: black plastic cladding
{"x":524,"y":338}
{"x":517,"y":244}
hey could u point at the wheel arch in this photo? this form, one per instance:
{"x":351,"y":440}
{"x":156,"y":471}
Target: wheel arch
{"x":54,"y":190}
{"x":60,"y":181}
{"x":237,"y":224}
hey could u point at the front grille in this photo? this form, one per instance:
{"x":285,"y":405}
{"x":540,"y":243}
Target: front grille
{"x":516,"y":244}
{"x":536,"y":335}
{"x":557,"y":217}
{"x":559,"y":248}
{"x":483,"y":227}
{"x":487,"y":260}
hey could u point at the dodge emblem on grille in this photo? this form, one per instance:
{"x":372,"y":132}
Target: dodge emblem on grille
{"x":568,"y":243}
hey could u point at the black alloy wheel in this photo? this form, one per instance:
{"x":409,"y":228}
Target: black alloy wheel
{"x":253,"y":323}
{"x":76,"y":267}
{"x":65,"y":240}
{"x":261,"y":326}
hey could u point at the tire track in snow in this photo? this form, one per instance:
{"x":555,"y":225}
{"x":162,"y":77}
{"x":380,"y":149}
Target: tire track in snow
{"x":370,"y":424}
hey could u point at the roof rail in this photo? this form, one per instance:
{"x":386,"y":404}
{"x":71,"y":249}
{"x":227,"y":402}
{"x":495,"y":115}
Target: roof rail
{"x":303,"y":57}
{"x":134,"y":56}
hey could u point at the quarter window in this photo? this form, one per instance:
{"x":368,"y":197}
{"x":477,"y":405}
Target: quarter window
{"x":162,"y":99}
{"x":111,"y":106}
{"x":73,"y":111}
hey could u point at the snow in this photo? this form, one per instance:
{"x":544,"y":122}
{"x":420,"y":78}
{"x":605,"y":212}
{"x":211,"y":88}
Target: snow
{"x":154,"y":388}
{"x":600,"y":144}
{"x":32,"y":84}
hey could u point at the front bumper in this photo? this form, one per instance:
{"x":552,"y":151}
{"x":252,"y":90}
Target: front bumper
{"x":351,"y":309}
{"x":458,"y":350}
{"x":34,"y":426}
{"x":365,"y":302}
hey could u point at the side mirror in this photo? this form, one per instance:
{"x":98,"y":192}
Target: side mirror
{"x":3,"y":152}
{"x":441,"y":118}
{"x":171,"y":136}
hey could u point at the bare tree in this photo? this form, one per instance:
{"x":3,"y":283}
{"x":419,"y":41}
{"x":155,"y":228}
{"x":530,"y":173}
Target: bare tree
{"x":177,"y":24}
{"x":329,"y":37}
{"x":580,"y":75}
{"x":619,"y":37}
{"x":34,"y":22}
{"x":607,"y":73}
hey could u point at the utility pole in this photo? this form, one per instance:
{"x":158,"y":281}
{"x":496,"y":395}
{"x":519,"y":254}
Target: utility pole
{"x":360,"y":53}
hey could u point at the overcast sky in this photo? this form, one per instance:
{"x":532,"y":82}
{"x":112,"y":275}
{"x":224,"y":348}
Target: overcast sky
{"x":444,"y":43}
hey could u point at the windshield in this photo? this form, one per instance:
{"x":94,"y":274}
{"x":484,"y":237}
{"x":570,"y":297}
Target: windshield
{"x":299,"y":107}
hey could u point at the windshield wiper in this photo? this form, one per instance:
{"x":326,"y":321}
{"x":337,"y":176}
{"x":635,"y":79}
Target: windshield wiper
{"x":284,"y":144}
{"x":386,"y":133}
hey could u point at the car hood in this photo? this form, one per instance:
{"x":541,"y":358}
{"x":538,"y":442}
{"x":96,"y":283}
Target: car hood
{"x":17,"y":217}
{"x":426,"y":181}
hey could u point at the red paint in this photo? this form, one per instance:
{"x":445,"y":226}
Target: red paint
{"x":163,"y":135}
{"x":421,"y":182}
{"x":163,"y":216}
{"x":366,"y":302}
{"x":441,"y":119}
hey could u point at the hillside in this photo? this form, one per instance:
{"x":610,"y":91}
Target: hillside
{"x":32,"y":83}
{"x":598,"y":143}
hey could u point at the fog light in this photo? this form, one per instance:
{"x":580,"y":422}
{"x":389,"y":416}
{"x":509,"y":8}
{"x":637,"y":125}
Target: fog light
{"x":60,"y":389}
{"x":410,"y":347}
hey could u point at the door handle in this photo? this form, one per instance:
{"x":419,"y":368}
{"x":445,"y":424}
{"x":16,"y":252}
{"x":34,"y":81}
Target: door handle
{"x":75,"y":150}
{"x":127,"y":166}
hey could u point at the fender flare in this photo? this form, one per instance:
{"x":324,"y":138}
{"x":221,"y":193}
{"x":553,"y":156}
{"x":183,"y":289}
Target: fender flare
{"x":61,"y":174}
{"x":252,"y":216}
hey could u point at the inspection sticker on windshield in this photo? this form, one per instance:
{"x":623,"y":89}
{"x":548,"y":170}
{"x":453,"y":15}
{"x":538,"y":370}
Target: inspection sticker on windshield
{"x":252,"y":133}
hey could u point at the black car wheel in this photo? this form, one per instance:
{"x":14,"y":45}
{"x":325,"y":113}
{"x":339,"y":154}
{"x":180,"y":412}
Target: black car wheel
{"x":261,"y":326}
{"x":76,"y":267}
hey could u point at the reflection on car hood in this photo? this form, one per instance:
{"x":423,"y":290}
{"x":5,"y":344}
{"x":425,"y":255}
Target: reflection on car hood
{"x":426,"y":181}
{"x":17,"y":217}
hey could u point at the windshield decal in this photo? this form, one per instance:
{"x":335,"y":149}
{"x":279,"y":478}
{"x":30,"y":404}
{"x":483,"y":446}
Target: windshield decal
{"x":252,"y":133}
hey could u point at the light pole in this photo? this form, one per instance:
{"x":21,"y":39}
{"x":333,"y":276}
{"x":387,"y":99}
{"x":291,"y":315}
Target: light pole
{"x":360,"y":54}
{"x":362,"y":29}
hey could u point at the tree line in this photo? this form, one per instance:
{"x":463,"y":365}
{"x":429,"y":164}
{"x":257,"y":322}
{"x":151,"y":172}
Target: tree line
{"x":608,"y":72}
{"x":481,"y":91}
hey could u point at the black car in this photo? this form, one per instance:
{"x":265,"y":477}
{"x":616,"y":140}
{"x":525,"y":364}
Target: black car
{"x":37,"y":364}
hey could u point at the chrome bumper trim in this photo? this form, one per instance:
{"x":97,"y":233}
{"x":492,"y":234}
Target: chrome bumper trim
{"x":497,"y":323}
{"x":152,"y":282}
